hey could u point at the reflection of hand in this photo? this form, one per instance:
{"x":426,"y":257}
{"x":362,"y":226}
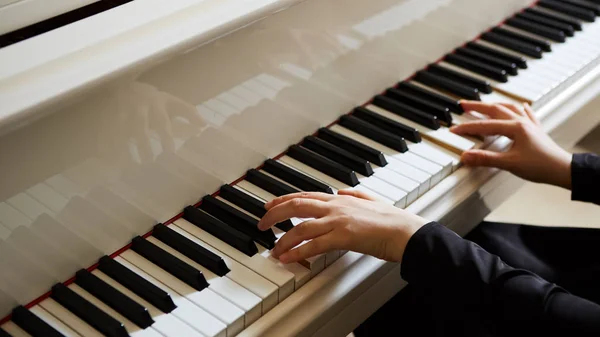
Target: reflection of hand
{"x":533,"y":156}
{"x":135,"y":110}
{"x":348,"y":221}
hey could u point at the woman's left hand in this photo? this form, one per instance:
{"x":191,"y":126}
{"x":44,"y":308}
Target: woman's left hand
{"x":347,"y":221}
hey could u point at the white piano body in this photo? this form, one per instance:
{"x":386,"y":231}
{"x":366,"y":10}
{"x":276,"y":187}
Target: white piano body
{"x":161,"y":102}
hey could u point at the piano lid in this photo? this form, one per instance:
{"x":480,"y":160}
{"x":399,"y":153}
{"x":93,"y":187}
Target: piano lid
{"x":111,"y":112}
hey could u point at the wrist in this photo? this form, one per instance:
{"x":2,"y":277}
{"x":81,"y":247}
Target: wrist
{"x":404,"y":233}
{"x":563,"y":173}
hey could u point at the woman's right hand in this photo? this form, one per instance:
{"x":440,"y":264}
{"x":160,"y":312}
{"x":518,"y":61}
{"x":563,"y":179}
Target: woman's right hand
{"x":533,"y":156}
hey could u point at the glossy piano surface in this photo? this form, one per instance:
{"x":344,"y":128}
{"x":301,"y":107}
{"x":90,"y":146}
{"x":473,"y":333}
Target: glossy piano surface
{"x":106,"y":135}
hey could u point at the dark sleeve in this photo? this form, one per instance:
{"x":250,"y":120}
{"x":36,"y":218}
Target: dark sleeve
{"x":436,"y":257}
{"x":585,"y":178}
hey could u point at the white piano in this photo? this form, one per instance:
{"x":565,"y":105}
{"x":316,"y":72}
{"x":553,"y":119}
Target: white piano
{"x":129,"y":117}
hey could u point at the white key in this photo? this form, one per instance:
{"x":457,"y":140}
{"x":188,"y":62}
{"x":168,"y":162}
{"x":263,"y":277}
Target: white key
{"x":399,"y":197}
{"x":53,"y":321}
{"x":409,"y":186}
{"x":131,"y":328}
{"x":167,"y":324}
{"x":68,"y":318}
{"x":421,"y":175}
{"x":206,"y":299}
{"x":279,"y":179}
{"x":275,"y":273}
{"x":14,"y":330}
{"x":314,"y":264}
{"x":383,"y":188}
{"x":302,"y":273}
{"x":437,"y":154}
{"x":187,"y":311}
{"x":334,"y":183}
{"x":549,"y":70}
{"x":254,"y":190}
{"x":440,"y":136}
{"x":223,"y":286}
{"x":247,"y":278}
{"x":513,"y":86}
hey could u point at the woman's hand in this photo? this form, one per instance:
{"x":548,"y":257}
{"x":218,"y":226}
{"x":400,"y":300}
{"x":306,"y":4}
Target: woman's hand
{"x":533,"y":156}
{"x":347,"y":221}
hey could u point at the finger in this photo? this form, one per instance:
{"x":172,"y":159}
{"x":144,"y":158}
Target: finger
{"x":485,"y":158}
{"x":307,"y":230}
{"x":531,"y":114}
{"x":357,"y":194}
{"x":302,"y":195}
{"x":320,"y":245}
{"x":486,"y":128}
{"x":494,"y":111}
{"x":295,"y":208}
{"x":517,"y":109}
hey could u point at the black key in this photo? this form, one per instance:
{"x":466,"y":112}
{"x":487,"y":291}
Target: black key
{"x":4,"y":333}
{"x":441,"y":112}
{"x":185,"y":246}
{"x":445,"y":84}
{"x":406,"y":111}
{"x":585,"y":4}
{"x":88,"y":312}
{"x":569,"y":9}
{"x":295,"y":178}
{"x":250,"y":204}
{"x":325,"y":165}
{"x":482,"y":85}
{"x":541,"y":30}
{"x":573,"y":22}
{"x":543,"y":44}
{"x":516,"y":45}
{"x":137,"y":284}
{"x":478,"y":67}
{"x":387,"y":124}
{"x":567,"y":29}
{"x":114,"y":298}
{"x":443,"y":100}
{"x":174,"y":266}
{"x":377,"y":134}
{"x":520,"y":61}
{"x":510,"y":67}
{"x":338,"y":155}
{"x":215,"y":227}
{"x":269,"y":184}
{"x":368,"y":153}
{"x":34,"y":325}
{"x":238,"y":220}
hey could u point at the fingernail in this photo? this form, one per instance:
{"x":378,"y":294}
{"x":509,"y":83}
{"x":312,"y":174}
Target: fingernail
{"x":260,"y":225}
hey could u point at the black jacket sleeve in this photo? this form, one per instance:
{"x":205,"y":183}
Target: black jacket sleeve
{"x":508,"y":298}
{"x":585,"y":178}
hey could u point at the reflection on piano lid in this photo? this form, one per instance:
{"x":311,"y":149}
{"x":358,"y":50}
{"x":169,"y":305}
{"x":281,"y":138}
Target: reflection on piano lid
{"x":280,"y":104}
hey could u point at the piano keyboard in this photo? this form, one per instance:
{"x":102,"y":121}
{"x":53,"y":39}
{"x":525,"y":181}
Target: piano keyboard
{"x":210,"y":273}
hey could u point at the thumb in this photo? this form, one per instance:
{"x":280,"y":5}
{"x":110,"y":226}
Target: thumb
{"x":485,"y":158}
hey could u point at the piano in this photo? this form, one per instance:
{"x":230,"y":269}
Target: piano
{"x":140,"y":139}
